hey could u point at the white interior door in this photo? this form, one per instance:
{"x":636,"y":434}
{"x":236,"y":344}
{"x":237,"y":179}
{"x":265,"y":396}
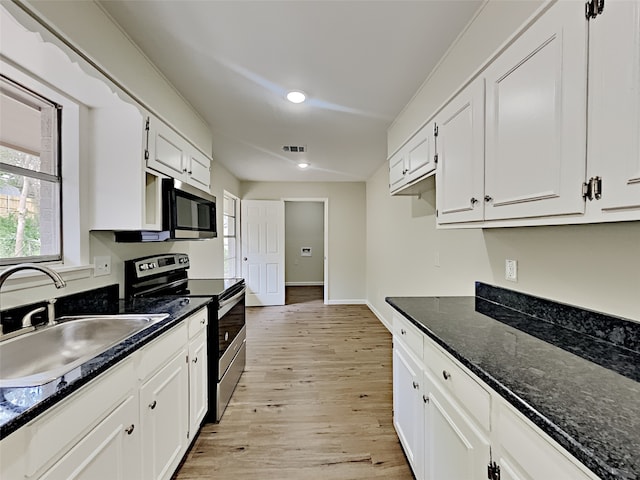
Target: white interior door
{"x":262,"y":226}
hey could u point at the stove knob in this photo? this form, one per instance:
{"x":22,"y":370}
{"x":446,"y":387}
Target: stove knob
{"x":143,"y":266}
{"x":152,"y":265}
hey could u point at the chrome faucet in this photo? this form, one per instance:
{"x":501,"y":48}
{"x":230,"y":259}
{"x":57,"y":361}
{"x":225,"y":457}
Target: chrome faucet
{"x":53,"y":275}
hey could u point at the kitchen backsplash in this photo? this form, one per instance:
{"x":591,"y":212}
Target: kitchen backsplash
{"x":614,"y":330}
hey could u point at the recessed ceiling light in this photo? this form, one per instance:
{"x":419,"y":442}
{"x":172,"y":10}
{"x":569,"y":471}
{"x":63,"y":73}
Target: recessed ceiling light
{"x":296,"y":96}
{"x":303,"y":165}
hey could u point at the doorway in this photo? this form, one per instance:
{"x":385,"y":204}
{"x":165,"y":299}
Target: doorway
{"x":306,"y":250}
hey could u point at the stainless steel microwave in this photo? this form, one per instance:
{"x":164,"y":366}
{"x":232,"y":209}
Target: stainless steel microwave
{"x":188,"y":213}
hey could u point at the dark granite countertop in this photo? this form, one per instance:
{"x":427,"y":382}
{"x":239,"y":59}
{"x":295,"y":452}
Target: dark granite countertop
{"x":582,"y":391}
{"x":18,"y":406}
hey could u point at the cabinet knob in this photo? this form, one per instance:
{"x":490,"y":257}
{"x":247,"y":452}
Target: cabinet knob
{"x":184,"y":170}
{"x":403,"y":331}
{"x":474,"y":200}
{"x":203,"y":321}
{"x":129,"y":429}
{"x":487,"y":198}
{"x":446,"y":375}
{"x":425,"y":399}
{"x":189,"y":172}
{"x":153,"y":404}
{"x":416,"y":385}
{"x":195,"y":360}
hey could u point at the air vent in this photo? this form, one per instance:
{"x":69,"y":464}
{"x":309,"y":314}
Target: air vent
{"x":295,"y":148}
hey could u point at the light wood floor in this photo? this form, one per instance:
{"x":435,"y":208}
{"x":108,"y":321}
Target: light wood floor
{"x":314,"y":402}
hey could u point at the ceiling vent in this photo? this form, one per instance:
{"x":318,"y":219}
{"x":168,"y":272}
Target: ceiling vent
{"x":295,"y":148}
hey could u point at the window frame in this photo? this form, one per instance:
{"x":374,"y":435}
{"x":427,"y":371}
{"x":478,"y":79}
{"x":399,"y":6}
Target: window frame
{"x":32,"y":98}
{"x":236,"y":236}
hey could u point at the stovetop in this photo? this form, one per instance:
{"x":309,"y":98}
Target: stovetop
{"x":207,"y":287}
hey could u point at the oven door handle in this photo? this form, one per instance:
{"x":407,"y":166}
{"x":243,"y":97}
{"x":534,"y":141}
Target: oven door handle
{"x":232,"y":299}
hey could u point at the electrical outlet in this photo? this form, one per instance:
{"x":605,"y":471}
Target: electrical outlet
{"x":511,"y":270}
{"x":101,"y":266}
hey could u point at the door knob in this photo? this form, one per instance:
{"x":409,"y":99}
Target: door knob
{"x":245,"y":259}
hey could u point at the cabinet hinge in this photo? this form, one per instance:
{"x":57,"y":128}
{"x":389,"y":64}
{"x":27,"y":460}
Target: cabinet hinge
{"x":435,"y":158}
{"x":493,"y":471}
{"x":146,"y":154}
{"x":146,"y":124}
{"x":436,"y":212}
{"x":592,"y":189}
{"x":435,"y":129}
{"x":186,"y":359}
{"x":593,"y":8}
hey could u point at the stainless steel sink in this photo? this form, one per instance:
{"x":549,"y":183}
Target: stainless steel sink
{"x":49,"y":352}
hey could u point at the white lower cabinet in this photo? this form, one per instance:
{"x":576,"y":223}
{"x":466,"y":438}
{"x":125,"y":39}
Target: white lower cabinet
{"x":132,"y":422}
{"x":452,"y":425}
{"x":454,"y":446}
{"x":407,"y":404}
{"x":165,"y":418}
{"x":111,"y":451}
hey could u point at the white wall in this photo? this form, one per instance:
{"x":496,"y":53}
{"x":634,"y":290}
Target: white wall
{"x":347,"y":213}
{"x":592,"y":266}
{"x":304,"y":227}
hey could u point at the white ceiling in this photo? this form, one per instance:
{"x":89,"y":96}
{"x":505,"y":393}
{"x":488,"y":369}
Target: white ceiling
{"x":360,"y":62}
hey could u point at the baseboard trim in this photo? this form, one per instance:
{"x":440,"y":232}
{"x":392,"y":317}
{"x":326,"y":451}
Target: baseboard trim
{"x":346,"y":301}
{"x":383,"y":320}
{"x":303,"y":284}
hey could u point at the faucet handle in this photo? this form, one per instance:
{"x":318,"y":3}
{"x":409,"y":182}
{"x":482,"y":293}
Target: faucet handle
{"x":27,"y":320}
{"x":51,"y":311}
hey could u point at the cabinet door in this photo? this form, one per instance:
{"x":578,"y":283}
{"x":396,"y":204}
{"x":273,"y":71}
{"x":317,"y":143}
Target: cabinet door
{"x":536,"y":119}
{"x":419,"y":156}
{"x":407,"y":405}
{"x":111,"y":451}
{"x":614,"y":108}
{"x":524,"y":453}
{"x":197,"y":382}
{"x":166,"y":150}
{"x":454,"y":447}
{"x":460,"y":147}
{"x":396,"y":171}
{"x":164,"y":412}
{"x":199,"y":171}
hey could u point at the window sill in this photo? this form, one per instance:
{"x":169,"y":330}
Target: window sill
{"x":33,"y":278}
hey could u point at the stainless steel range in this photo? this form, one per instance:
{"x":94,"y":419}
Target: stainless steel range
{"x":166,"y":274}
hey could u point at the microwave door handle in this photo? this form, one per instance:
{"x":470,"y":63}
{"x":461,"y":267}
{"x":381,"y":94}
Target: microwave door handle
{"x":232,"y":299}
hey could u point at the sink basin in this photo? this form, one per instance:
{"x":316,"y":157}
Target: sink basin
{"x":49,"y":352}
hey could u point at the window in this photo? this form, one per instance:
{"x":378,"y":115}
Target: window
{"x":231,"y":205}
{"x":30,"y":181}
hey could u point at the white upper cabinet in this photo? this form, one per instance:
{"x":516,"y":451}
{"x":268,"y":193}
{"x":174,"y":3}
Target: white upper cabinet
{"x":169,"y":153}
{"x":535,"y":119}
{"x":614,"y":110}
{"x":460,"y":148}
{"x":412,"y":163}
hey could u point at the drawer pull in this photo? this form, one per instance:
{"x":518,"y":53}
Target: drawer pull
{"x":203,"y":320}
{"x":195,"y":360}
{"x":403,"y":331}
{"x":446,"y":375}
{"x":416,"y":385}
{"x":153,"y":404}
{"x":425,"y":399}
{"x":129,"y":429}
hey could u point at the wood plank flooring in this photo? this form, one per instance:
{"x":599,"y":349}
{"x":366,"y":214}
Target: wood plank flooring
{"x":314,"y":402}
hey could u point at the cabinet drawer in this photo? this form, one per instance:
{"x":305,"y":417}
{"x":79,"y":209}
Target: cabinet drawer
{"x":66,"y":424}
{"x":469,"y":393}
{"x":409,"y":334}
{"x":197,"y":322}
{"x":155,"y":355}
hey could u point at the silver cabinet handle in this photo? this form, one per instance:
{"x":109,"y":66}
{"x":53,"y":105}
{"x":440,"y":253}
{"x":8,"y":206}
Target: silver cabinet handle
{"x":487,"y":198}
{"x":203,"y":321}
{"x":153,"y":404}
{"x":416,"y":385}
{"x":403,"y":331}
{"x":195,"y":360}
{"x":129,"y":429}
{"x":446,"y":375}
{"x":425,"y":399}
{"x":474,"y":200}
